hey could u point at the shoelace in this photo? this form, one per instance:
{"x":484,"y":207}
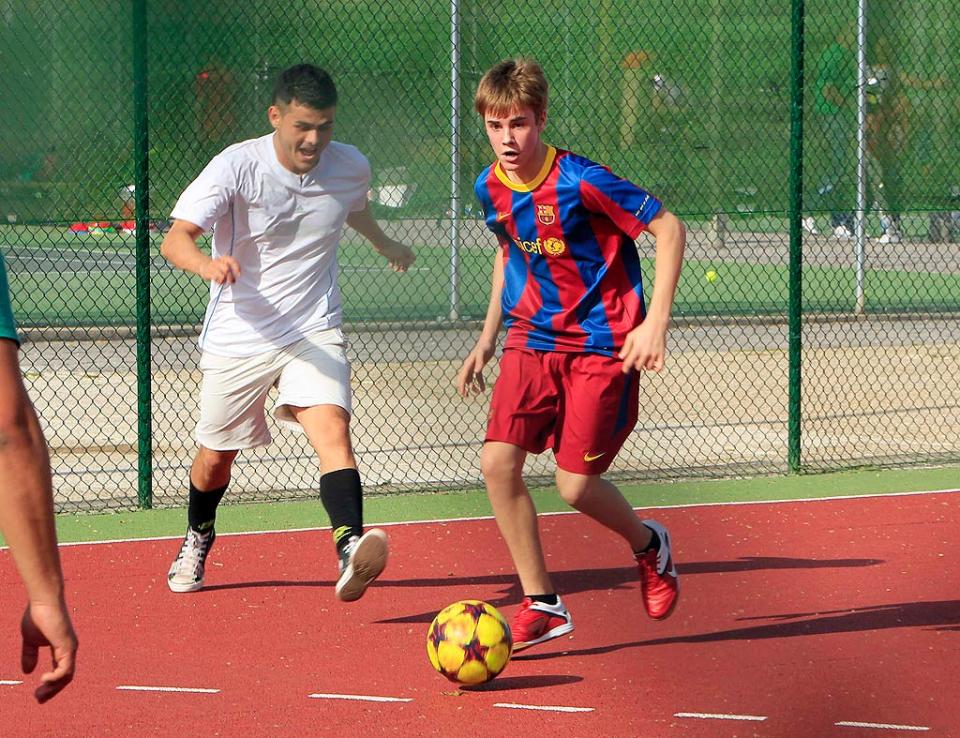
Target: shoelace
{"x":348,"y":552}
{"x":662,"y":561}
{"x":193,"y":549}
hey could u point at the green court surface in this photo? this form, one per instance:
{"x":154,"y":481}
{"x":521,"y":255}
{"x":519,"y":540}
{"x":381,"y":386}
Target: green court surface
{"x":449,"y":505}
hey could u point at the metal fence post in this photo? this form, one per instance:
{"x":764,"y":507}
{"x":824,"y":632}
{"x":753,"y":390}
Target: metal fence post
{"x":454,"y":160}
{"x":859,"y":226}
{"x":796,"y":244}
{"x":142,"y":213}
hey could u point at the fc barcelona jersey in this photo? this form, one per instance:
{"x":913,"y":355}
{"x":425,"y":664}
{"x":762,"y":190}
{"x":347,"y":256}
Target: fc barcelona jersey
{"x":572,"y":278}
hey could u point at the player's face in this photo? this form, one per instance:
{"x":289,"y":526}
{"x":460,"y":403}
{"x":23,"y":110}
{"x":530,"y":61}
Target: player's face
{"x":302,"y":134}
{"x":515,"y":139}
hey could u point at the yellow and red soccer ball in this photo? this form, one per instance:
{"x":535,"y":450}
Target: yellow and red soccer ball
{"x":469,"y":642}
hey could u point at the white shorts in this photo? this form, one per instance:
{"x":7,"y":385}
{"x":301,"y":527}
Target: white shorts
{"x":233,"y":392}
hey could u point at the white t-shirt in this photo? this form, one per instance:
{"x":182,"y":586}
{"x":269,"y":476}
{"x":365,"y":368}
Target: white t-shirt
{"x":284,"y":230}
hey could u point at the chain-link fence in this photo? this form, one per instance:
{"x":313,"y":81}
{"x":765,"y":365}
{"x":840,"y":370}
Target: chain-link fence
{"x":693,"y":100}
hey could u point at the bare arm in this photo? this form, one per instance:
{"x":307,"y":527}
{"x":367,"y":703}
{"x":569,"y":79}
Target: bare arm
{"x":180,"y":248}
{"x":470,"y":376}
{"x":26,"y":518}
{"x":26,"y":500}
{"x":645,"y":346}
{"x":399,"y":255}
{"x":671,"y":241}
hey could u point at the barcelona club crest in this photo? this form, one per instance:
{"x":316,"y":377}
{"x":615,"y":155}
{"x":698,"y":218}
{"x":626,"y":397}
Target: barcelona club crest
{"x":546,"y":214}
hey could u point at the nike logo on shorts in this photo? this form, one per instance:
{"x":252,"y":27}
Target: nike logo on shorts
{"x":593,"y":457}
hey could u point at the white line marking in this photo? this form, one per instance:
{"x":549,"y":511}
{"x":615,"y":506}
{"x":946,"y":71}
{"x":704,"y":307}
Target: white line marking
{"x":831,"y":498}
{"x":382,"y":269}
{"x":197,"y":690}
{"x":718,"y":716}
{"x":490,"y":517}
{"x":9,"y":683}
{"x":543,"y":708}
{"x":357,"y":697}
{"x":881,"y":726}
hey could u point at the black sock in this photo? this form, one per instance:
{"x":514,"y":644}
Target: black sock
{"x":654,"y":544}
{"x":202,"y":508}
{"x":342,"y":498}
{"x":550,"y":599}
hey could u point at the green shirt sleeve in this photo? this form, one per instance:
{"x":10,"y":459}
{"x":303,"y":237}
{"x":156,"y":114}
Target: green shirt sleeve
{"x":8,"y":328}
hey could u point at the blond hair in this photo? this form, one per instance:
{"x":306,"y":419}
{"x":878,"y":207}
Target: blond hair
{"x":513,"y":84}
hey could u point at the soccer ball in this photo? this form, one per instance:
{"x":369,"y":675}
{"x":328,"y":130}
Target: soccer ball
{"x":469,"y":642}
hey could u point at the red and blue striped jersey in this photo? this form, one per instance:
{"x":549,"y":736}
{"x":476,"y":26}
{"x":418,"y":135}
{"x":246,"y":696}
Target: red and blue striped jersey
{"x":572,"y":279}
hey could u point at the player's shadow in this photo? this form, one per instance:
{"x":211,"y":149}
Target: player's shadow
{"x":568,"y":582}
{"x":590,"y":580}
{"x":504,"y":684}
{"x":269,"y":584}
{"x":942,"y":615}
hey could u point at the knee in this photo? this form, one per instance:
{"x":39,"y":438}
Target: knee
{"x":573,"y":488}
{"x":326,"y":426}
{"x":498,"y":466}
{"x":210,"y":467}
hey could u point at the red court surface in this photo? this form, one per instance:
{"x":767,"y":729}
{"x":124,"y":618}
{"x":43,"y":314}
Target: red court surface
{"x":806,"y":620}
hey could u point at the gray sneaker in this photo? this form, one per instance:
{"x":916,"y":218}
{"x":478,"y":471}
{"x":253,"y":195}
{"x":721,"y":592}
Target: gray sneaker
{"x":186,"y":571}
{"x":362,"y":560}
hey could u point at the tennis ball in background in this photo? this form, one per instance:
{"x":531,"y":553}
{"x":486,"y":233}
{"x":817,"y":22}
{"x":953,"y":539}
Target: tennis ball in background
{"x":710,"y":276}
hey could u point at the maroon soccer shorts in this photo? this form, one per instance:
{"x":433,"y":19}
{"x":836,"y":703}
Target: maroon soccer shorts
{"x":580,"y":405}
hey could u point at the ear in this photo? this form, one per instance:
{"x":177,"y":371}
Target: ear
{"x":274,"y":115}
{"x":542,"y":120}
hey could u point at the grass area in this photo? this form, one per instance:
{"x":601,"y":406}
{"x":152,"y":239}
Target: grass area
{"x":371,"y":292}
{"x":743,"y":288}
{"x":471,"y":503}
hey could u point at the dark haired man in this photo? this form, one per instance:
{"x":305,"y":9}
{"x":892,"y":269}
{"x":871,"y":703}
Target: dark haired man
{"x":277,"y":205}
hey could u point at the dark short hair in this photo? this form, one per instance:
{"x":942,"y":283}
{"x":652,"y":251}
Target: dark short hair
{"x":308,"y":85}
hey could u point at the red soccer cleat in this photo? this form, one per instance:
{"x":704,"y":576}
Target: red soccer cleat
{"x":658,"y":575}
{"x":536,"y":622}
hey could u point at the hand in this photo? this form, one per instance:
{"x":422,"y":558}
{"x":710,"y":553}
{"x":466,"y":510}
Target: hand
{"x":49,"y":625}
{"x":645,"y":347}
{"x":470,"y":376}
{"x":222,"y":270}
{"x":399,"y":255}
